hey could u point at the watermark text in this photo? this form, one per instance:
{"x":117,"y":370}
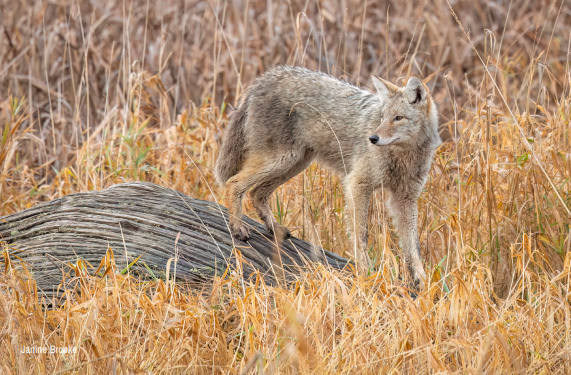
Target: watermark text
{"x":48,"y":349}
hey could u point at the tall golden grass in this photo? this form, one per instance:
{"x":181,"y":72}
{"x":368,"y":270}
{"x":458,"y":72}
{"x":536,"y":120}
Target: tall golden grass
{"x":99,"y":93}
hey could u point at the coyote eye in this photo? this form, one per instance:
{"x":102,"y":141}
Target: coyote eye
{"x":398,"y":118}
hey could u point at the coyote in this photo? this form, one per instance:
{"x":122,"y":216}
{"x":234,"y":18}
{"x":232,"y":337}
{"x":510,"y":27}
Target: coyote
{"x":292,"y":116}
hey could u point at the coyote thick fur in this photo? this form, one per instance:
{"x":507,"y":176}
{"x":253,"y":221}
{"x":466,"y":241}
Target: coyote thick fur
{"x":292,"y":116}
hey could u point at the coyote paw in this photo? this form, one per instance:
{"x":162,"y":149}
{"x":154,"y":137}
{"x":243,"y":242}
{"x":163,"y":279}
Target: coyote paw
{"x":240,"y":232}
{"x":280,"y":232}
{"x":416,"y":273}
{"x":419,"y":278}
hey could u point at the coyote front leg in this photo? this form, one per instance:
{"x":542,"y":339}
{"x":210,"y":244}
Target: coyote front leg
{"x":358,"y":195}
{"x":404,"y":211}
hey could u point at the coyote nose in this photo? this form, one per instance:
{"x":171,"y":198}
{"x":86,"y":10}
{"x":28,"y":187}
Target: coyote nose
{"x":374,"y":139}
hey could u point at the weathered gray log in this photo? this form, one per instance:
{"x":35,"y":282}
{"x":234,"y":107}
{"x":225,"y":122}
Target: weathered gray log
{"x":144,"y":219}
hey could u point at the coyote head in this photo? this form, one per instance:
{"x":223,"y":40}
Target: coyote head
{"x":408,"y":116}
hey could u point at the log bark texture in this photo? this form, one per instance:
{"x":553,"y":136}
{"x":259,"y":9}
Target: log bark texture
{"x":154,"y":223}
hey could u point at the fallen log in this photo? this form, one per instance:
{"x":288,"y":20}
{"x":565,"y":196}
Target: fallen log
{"x":148,"y":224}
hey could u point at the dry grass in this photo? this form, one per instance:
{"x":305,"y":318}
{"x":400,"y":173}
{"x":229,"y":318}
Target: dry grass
{"x":100,"y":93}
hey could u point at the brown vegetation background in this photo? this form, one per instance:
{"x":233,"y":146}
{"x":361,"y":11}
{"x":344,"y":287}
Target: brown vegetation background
{"x":96,"y":93}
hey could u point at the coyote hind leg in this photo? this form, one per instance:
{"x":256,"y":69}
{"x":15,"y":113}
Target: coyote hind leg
{"x":266,"y":174}
{"x":281,"y":172}
{"x":236,"y":187}
{"x":260,"y":197}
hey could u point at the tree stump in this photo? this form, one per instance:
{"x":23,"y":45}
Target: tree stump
{"x":150,"y":224}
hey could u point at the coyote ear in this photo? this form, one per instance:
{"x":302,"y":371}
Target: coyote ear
{"x":384,"y":88}
{"x":415,"y":90}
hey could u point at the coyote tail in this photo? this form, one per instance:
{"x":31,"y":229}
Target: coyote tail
{"x":232,"y":151}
